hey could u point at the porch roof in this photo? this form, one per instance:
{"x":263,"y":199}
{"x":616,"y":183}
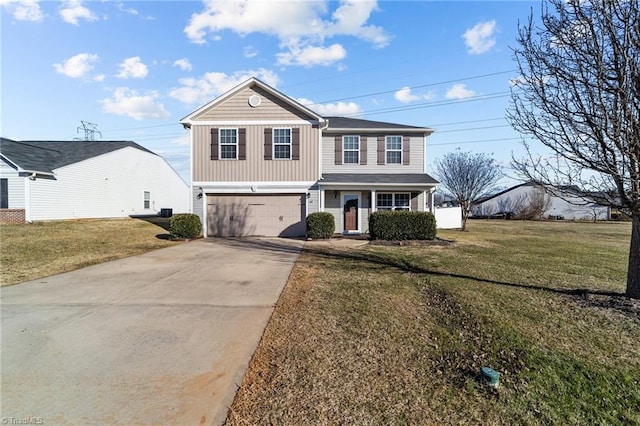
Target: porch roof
{"x":386,"y":179}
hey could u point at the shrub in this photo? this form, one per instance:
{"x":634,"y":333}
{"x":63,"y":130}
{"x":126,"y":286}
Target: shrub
{"x":185,"y":225}
{"x":320,"y":225}
{"x":402,"y":225}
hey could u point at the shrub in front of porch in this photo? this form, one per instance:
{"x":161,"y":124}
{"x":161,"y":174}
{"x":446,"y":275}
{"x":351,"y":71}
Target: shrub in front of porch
{"x":320,"y":225}
{"x":402,"y":225}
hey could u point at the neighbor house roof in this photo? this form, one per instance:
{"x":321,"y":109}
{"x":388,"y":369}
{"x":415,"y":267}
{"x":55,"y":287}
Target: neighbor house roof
{"x":345,"y":123}
{"x":45,"y":156}
{"x":378,"y":178}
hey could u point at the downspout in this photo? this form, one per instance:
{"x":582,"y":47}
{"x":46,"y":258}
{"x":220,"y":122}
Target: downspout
{"x":320,"y":191}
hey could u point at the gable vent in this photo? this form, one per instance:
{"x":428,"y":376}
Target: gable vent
{"x":254,"y":101}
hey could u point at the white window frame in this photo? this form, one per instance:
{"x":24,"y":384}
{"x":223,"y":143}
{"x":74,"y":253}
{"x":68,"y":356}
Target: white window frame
{"x":220,"y":143}
{"x":345,"y":150}
{"x":274,"y":143}
{"x":387,"y":150}
{"x":147,"y":200}
{"x":394,"y":206}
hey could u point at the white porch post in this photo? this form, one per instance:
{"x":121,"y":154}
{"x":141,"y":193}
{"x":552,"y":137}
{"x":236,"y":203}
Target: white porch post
{"x":373,"y":201}
{"x":321,"y":199}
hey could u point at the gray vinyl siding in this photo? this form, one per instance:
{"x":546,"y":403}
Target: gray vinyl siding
{"x":332,"y":205}
{"x":15,"y":185}
{"x":313,"y":202}
{"x":198,"y":204}
{"x":416,"y":157}
{"x":255,"y":168}
{"x":237,"y":108}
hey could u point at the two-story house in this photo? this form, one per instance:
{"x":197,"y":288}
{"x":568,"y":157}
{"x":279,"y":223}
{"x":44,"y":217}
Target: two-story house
{"x":261,"y":162}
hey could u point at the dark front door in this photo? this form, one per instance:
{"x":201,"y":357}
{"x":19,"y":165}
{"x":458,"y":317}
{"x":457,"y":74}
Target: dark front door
{"x":350,"y":208}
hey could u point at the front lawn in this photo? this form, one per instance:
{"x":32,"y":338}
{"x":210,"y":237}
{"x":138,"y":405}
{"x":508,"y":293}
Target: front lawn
{"x":397,"y":335}
{"x":30,"y":251}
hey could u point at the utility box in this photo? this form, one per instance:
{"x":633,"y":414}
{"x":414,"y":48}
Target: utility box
{"x":166,"y":212}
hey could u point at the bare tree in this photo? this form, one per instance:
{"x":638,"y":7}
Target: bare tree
{"x":467,"y":177}
{"x":534,"y":205}
{"x":578,"y":94}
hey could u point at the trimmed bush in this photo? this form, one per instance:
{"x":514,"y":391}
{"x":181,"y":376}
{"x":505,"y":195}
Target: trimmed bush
{"x":402,"y":225}
{"x":320,"y":225}
{"x":185,"y":225}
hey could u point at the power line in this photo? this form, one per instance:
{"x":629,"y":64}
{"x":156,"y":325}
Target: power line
{"x":476,"y":141}
{"x":465,"y":122}
{"x":474,"y":128}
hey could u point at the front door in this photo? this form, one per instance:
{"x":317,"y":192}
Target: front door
{"x":350,"y":204}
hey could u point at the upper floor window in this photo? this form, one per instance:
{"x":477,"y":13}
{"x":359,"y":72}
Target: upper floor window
{"x":282,"y":144}
{"x":393,"y":201}
{"x":229,"y":144}
{"x":351,"y":149}
{"x":394,"y":149}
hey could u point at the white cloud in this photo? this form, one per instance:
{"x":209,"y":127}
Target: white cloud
{"x":312,"y":55}
{"x":73,"y":10}
{"x":133,"y":104}
{"x":184,"y":64}
{"x":24,"y":10}
{"x":459,"y":91}
{"x":133,"y":68}
{"x":99,"y":77}
{"x":404,"y":95}
{"x":212,"y":84}
{"x":479,"y":39}
{"x":332,"y":109}
{"x":77,"y":66}
{"x":250,"y":52}
{"x":301,"y":26}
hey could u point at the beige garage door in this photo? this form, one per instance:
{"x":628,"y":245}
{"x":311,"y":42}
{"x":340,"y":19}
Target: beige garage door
{"x":267,"y":215}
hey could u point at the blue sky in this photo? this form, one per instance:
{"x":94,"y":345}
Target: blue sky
{"x":136,"y":68}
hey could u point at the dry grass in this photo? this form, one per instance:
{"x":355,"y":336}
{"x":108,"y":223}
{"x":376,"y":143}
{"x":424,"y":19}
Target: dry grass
{"x":40,"y":249}
{"x":397,"y":335}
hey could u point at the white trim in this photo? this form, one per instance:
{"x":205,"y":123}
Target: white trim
{"x":255,"y":187}
{"x":191,"y":170}
{"x":261,"y":184}
{"x":321,"y":199}
{"x":252,"y":122}
{"x":359,"y":224}
{"x":205,"y":214}
{"x":367,"y":186}
{"x":373,"y":201}
{"x":273,"y":143}
{"x":237,"y":144}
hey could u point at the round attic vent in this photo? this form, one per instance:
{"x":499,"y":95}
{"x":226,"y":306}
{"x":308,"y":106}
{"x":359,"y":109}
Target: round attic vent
{"x":254,"y":100}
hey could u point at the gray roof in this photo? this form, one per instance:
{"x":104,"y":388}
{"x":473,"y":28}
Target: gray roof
{"x":45,"y":156}
{"x":357,"y":123}
{"x":379,"y":178}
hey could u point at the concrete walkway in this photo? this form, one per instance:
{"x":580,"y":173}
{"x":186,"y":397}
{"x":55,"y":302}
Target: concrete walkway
{"x":161,"y":338}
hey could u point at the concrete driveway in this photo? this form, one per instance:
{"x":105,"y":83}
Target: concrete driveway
{"x":161,"y":338}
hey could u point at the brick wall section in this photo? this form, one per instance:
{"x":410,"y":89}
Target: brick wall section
{"x":11,"y":216}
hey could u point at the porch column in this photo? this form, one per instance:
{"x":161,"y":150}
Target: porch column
{"x":321,"y":199}
{"x":373,"y":201}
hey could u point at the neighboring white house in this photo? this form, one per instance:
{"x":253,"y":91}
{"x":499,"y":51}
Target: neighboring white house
{"x":565,"y":204}
{"x":48,"y":180}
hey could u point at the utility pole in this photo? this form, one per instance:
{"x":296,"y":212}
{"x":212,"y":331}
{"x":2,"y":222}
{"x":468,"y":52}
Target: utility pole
{"x":89,"y":129}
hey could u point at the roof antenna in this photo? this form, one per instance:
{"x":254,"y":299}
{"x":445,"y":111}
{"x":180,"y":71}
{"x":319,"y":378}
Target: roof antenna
{"x":89,"y":129}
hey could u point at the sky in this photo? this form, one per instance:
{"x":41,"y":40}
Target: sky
{"x":134,"y":69}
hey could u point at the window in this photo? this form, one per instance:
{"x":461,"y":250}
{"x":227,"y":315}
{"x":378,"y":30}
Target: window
{"x":394,"y":150}
{"x":393,"y":201}
{"x":229,"y":144}
{"x":4,"y":193}
{"x":147,"y":200}
{"x":282,"y":144}
{"x":351,"y":149}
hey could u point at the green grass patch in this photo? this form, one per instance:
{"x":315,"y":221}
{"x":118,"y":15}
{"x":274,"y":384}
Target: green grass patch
{"x":397,"y":335}
{"x":39,"y":249}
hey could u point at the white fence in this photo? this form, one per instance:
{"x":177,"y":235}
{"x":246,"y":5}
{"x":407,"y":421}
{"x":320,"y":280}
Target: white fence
{"x":448,"y":217}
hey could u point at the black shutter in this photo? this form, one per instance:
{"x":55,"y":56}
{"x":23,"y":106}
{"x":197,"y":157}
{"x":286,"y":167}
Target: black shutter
{"x":363,"y":150}
{"x":406,"y":141}
{"x":268,"y":144}
{"x":381,"y":150}
{"x":4,"y":193}
{"x":214,"y":144}
{"x":338,"y":149}
{"x":242,"y":144}
{"x":295,"y":144}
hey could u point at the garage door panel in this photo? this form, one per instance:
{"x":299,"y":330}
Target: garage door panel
{"x":244,"y":215}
